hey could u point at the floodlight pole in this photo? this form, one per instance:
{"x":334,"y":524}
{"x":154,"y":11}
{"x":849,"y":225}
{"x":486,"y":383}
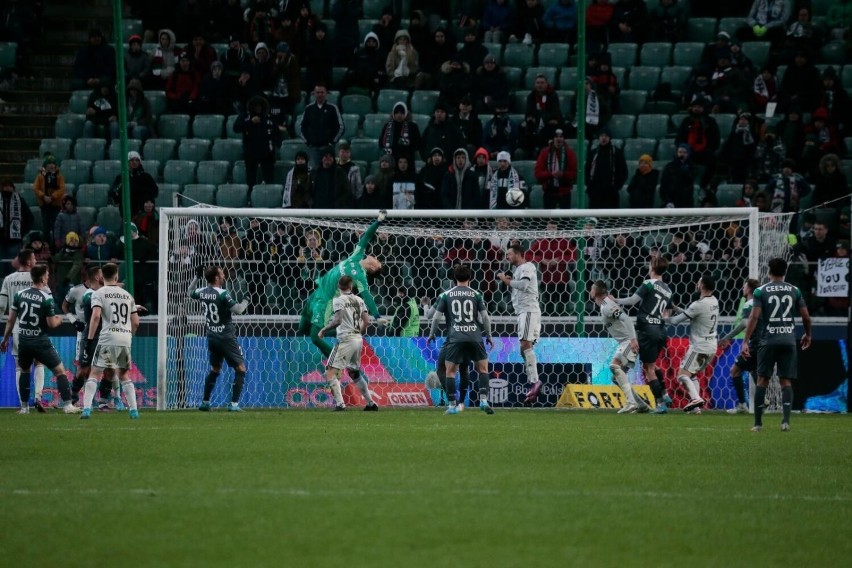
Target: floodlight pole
{"x":580,"y":186}
{"x":120,"y":92}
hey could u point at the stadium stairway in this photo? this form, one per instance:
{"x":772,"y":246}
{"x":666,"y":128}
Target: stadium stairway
{"x":32,"y":103}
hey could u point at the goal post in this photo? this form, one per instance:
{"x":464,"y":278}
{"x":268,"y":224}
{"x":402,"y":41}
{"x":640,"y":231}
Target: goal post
{"x":272,"y":258}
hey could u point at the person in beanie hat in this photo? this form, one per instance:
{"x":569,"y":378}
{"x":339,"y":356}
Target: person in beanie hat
{"x":701,"y":132}
{"x":137,"y":62}
{"x":429,"y":180}
{"x":297,"y":183}
{"x":69,"y":263}
{"x":353,"y":171}
{"x":49,"y":189}
{"x":556,"y":170}
{"x":606,"y":172}
{"x":372,"y":198}
{"x":329,"y":186}
{"x":505,"y":177}
{"x":142,"y":186}
{"x":384,"y":179}
{"x":677,"y":183}
{"x":440,"y":133}
{"x":643,"y":185}
{"x":400,"y":136}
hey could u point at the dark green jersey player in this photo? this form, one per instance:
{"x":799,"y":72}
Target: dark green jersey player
{"x":776,"y":304}
{"x":35,"y":312}
{"x":654,"y":297}
{"x":467,"y":321}
{"x":742,"y":363}
{"x":317,"y":308}
{"x":217,"y":305}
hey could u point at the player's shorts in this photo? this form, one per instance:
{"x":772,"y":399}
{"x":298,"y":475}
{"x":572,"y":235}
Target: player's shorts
{"x":783,"y":359}
{"x":652,"y":342}
{"x":748,"y":365}
{"x":695,"y":362}
{"x":462,"y":352}
{"x":529,"y":326}
{"x":625,"y":355}
{"x":80,"y":345}
{"x":111,"y":357}
{"x":40,"y":350}
{"x":347,"y":353}
{"x":221,"y":349}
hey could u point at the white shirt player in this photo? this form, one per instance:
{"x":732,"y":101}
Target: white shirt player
{"x":12,"y":284}
{"x":74,"y":297}
{"x":703,"y":315}
{"x":616,"y":321}
{"x":117,"y":307}
{"x":350,"y":307}
{"x":525,"y":297}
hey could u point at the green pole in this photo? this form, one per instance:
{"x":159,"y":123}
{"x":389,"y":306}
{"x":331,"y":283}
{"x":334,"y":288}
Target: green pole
{"x":118,"y":37}
{"x":580,"y":187}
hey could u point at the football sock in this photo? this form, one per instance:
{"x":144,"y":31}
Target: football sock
{"x":237,"y":389}
{"x":364,"y":389}
{"x":530,"y":365}
{"x":697,"y":385}
{"x":623,"y":383}
{"x":464,"y":383}
{"x":24,"y":389}
{"x":687,"y":383}
{"x":104,"y":389}
{"x":89,"y":392}
{"x":77,"y":385}
{"x":786,"y":403}
{"x":656,"y":389}
{"x":334,"y":382}
{"x":759,"y":404}
{"x":739,"y":387}
{"x":129,"y":393}
{"x":18,"y":384}
{"x":38,"y":378}
{"x":450,"y":387}
{"x":209,"y":384}
{"x":482,"y":380}
{"x":64,"y":387}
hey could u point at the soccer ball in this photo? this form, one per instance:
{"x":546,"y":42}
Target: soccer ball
{"x":514,"y":197}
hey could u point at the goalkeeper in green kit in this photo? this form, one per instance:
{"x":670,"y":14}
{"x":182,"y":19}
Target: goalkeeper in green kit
{"x":358,"y":266}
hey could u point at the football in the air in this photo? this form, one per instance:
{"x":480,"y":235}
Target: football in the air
{"x":514,"y":197}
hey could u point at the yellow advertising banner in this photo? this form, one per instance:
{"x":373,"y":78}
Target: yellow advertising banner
{"x":598,"y":396}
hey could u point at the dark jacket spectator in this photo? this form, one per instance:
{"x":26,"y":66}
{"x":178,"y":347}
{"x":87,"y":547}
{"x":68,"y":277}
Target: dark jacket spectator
{"x":606,"y":172}
{"x":213,"y":93}
{"x":472,"y":51}
{"x":68,"y":221}
{"x":101,"y":110}
{"x":404,"y":185}
{"x":800,"y":85}
{"x":668,"y":21}
{"x":529,"y":23}
{"x":137,"y":63}
{"x":440,"y":133}
{"x":138,"y":113}
{"x":831,"y":184}
{"x":643,"y":185}
{"x":544,"y":99}
{"x":490,"y":85}
{"x":94,"y":63}
{"x":372,"y":198}
{"x":318,"y":57}
{"x":297,"y":183}
{"x":261,"y":138}
{"x":322,"y":123}
{"x":468,"y":123}
{"x":677,"y":182}
{"x":834,"y":98}
{"x":385,"y":30}
{"x":430,"y":180}
{"x":560,"y":21}
{"x":498,"y":21}
{"x":201,"y":54}
{"x":400,"y":137}
{"x":16,"y":220}
{"x":460,"y":189}
{"x":740,"y":147}
{"x":435,"y":55}
{"x":286,"y":89}
{"x":701,"y":132}
{"x":532,"y":135}
{"x":182,"y":87}
{"x":630,"y":21}
{"x":346,"y":14}
{"x":329,"y":186}
{"x":236,"y":62}
{"x":500,"y":132}
{"x":143,"y":187}
{"x":455,"y":81}
{"x":787,"y":189}
{"x":367,"y":73}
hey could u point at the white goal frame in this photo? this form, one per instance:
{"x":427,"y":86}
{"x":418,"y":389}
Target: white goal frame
{"x":168,"y":213}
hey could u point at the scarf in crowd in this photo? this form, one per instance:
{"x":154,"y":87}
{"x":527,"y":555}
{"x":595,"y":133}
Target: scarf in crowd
{"x":14,"y":216}
{"x":388,"y":139}
{"x":745,"y":132}
{"x":557,"y":158}
{"x":761,"y":88}
{"x":593,"y":109}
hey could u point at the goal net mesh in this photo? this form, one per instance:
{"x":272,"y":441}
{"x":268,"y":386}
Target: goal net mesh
{"x":273,"y":259}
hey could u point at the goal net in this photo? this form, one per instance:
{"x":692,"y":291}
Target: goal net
{"x":273,"y":257}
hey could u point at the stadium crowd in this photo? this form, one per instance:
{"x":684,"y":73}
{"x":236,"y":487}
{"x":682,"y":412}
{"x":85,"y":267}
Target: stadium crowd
{"x":446,"y":122}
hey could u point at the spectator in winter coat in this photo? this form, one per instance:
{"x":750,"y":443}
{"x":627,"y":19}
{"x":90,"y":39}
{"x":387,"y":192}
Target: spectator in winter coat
{"x":643,"y":185}
{"x":262,"y":70}
{"x":401,"y":135}
{"x":729,"y":84}
{"x":429,"y":181}
{"x":801,"y":84}
{"x":556,"y":170}
{"x":384,"y":179}
{"x":821,"y":139}
{"x":16,"y":219}
{"x":163,"y":59}
{"x":69,"y":263}
{"x":606,"y":172}
{"x":286,"y":89}
{"x":404,"y":185}
{"x":490,"y":85}
{"x":214,"y":92}
{"x":138,"y":113}
{"x":560,"y":21}
{"x":236,"y":63}
{"x":544,"y":99}
{"x":468,"y":124}
{"x":182,"y":87}
{"x":329,"y":186}
{"x":367,"y":74}
{"x":668,"y":21}
{"x":346,"y":14}
{"x":677,"y":182}
{"x":297,"y":183}
{"x":201,"y":54}
{"x":630,"y":22}
{"x":472,"y":51}
{"x":739,"y":149}
{"x":99,"y":251}
{"x":787,"y":189}
{"x":403,"y":62}
{"x":137,"y":63}
{"x":94,"y":63}
{"x":372,"y":198}
{"x":460,"y":189}
{"x":764,"y":89}
{"x":49,"y":189}
{"x":68,"y":221}
{"x":318,"y":57}
{"x":701,"y":132}
{"x":353,"y":172}
{"x":504,"y":178}
{"x":143,"y":187}
{"x":440,"y":133}
{"x":500,"y":133}
{"x":385,"y":30}
{"x":532,"y":136}
{"x":834,"y":98}
{"x":529,"y":23}
{"x":101,"y":110}
{"x":261,"y":138}
{"x":831,"y":183}
{"x":433,"y":56}
{"x":322,"y":124}
{"x":454,"y":81}
{"x":497,"y":21}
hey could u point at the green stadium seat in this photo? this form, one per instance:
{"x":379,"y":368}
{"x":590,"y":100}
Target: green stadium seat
{"x":352,"y":123}
{"x":38,"y":221}
{"x":525,"y":169}
{"x":652,"y":126}
{"x":333,"y":97}
{"x":194,"y":149}
{"x":660,"y":107}
{"x":289,"y":149}
{"x":131,"y":27}
{"x":232,"y":195}
{"x":227,"y":149}
{"x":677,"y":76}
{"x":94,"y":195}
{"x":834,"y":53}
{"x":209,"y":126}
{"x":238,"y":173}
{"x":104,"y":171}
{"x":181,"y":172}
{"x":160,"y":149}
{"x":8,"y":54}
{"x":635,"y":147}
{"x":76,"y":171}
{"x":69,"y":125}
{"x":518,"y":101}
{"x":554,"y":54}
{"x":846,"y":80}
{"x":92,"y":149}
{"x":109,"y":218}
{"x":656,"y":54}
{"x":25,"y":190}
{"x":513,"y":77}
{"x":59,"y":147}
{"x":551,"y":73}
{"x":158,"y":102}
{"x":356,"y":104}
{"x":687,"y":53}
{"x":725,"y":122}
{"x":727,"y":194}
{"x":422,"y":120}
{"x":846,"y":168}
{"x":88,"y":215}
{"x":644,"y":78}
{"x":154,"y":167}
{"x":701,"y":30}
{"x":496,"y":50}
{"x":114,"y":152}
{"x":622,"y":125}
{"x":757,"y":51}
{"x":665,"y":151}
{"x":174,"y":126}
{"x":229,"y":128}
{"x":195,"y":193}
{"x":214,"y":172}
{"x":566,"y":101}
{"x":518,"y":55}
{"x":537,"y":197}
{"x":623,"y":54}
{"x":266,"y":195}
{"x":32,"y":169}
{"x":78,"y":101}
{"x":632,"y":102}
{"x":164,"y":197}
{"x":221,"y":49}
{"x":731,"y":25}
{"x":365,"y":149}
{"x":423,"y":102}
{"x":373,"y":8}
{"x":373,"y":124}
{"x":388,"y":98}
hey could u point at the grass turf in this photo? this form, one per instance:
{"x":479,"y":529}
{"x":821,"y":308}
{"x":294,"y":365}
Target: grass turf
{"x":417,"y":488}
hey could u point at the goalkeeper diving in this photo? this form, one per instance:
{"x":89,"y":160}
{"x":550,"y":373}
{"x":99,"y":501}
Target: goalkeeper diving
{"x":357,"y":266}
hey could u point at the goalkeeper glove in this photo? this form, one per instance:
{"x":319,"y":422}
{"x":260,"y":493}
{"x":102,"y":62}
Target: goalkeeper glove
{"x":382,"y":215}
{"x":79,"y":326}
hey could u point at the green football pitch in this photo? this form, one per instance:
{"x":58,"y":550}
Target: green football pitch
{"x":418,"y":488}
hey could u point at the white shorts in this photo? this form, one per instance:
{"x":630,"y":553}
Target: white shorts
{"x":695,"y":362}
{"x":529,"y":326}
{"x":77,"y":347}
{"x":346,"y":354}
{"x":625,"y":355}
{"x":111,"y":357}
